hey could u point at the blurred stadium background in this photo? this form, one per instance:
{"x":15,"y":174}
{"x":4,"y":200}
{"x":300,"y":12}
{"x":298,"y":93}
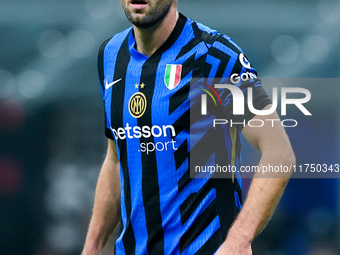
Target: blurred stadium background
{"x":51,"y":120}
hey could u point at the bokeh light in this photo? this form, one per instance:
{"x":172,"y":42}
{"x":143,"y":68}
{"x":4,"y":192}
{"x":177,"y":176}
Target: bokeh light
{"x":285,"y":49}
{"x":99,"y":9}
{"x":7,"y":84}
{"x":329,"y":11}
{"x":12,"y":115}
{"x":52,"y":43}
{"x":10,"y":176}
{"x":32,"y":84}
{"x":81,"y":43}
{"x":315,"y":49}
{"x":62,"y":237}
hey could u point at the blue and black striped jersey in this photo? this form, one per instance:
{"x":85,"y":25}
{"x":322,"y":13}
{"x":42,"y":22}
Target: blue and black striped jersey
{"x":147,"y":113}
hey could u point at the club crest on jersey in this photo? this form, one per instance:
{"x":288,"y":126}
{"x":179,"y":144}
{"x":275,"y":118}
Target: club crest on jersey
{"x":137,"y":105}
{"x":172,"y":75}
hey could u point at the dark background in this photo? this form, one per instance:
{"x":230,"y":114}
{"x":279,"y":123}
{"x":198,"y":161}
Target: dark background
{"x":51,"y":120}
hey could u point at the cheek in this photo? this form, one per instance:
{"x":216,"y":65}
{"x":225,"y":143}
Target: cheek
{"x":124,"y":3}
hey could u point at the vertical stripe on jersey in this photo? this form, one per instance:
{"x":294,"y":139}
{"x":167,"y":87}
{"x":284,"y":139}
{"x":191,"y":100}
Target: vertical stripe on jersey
{"x":117,"y":110}
{"x":150,"y":188}
{"x":150,"y":182}
{"x":100,"y":67}
{"x":225,"y":199}
{"x":100,"y":62}
{"x":226,"y":212}
{"x":233,"y":149}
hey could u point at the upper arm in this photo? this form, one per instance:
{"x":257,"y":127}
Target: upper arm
{"x":111,"y":154}
{"x":271,"y":137}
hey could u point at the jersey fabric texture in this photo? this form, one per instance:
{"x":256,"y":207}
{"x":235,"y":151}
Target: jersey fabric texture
{"x":147,"y":113}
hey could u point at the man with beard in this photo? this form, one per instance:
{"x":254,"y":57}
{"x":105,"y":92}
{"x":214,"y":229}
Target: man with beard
{"x":145,"y":74}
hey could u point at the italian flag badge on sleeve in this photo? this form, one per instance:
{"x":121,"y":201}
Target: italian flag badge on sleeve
{"x":172,"y":75}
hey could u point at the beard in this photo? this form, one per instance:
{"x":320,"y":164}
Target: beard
{"x":156,"y":14}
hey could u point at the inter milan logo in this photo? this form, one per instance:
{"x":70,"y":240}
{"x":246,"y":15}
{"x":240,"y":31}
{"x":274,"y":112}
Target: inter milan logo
{"x":137,"y":105}
{"x":172,"y":75}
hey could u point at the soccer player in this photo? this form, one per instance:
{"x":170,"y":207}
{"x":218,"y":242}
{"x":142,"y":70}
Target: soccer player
{"x":145,"y":75}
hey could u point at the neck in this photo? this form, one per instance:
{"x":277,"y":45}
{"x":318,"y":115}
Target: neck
{"x":149,"y":40}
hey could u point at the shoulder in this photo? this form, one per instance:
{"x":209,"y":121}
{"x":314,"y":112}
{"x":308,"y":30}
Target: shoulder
{"x":111,"y":46}
{"x":213,"y":39}
{"x":114,"y":42}
{"x":221,"y":51}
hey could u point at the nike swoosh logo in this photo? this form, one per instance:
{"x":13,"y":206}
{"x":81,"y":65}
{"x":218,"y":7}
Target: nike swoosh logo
{"x":108,"y":85}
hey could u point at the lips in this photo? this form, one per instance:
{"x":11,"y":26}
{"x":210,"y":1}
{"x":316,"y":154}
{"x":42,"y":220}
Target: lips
{"x":138,"y":4}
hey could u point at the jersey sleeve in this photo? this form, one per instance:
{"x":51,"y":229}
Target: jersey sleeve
{"x":101,"y":74}
{"x":239,"y":72}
